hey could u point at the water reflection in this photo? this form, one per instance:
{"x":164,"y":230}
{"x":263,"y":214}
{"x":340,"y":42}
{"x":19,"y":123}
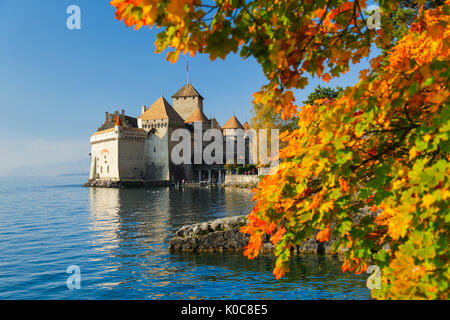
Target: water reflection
{"x":118,"y":239}
{"x":311,"y":276}
{"x":130,"y":228}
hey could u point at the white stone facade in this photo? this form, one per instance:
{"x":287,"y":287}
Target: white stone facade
{"x":117,"y":154}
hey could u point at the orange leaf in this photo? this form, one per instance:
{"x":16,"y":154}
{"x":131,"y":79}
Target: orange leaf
{"x":324,"y":235}
{"x":278,"y":235}
{"x":343,"y":184}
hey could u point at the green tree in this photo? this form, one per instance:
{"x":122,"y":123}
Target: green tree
{"x":323,"y":93}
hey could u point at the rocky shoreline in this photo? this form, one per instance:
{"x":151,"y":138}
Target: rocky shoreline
{"x":224,"y":235}
{"x":233,"y":181}
{"x":96,"y":183}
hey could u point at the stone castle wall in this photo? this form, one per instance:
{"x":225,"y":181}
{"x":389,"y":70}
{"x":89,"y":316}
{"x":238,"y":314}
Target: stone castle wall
{"x":130,"y":155}
{"x":104,"y":156}
{"x":156,"y":158}
{"x":185,"y":106}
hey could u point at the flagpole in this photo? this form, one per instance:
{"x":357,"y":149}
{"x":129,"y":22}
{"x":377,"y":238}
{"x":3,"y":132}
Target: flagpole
{"x":187,"y":71}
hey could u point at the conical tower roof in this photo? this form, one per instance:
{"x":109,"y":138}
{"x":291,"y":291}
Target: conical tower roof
{"x":233,"y":123}
{"x":160,"y":109}
{"x":187,"y":91}
{"x":119,"y":122}
{"x":246,"y":126}
{"x":197,"y":116}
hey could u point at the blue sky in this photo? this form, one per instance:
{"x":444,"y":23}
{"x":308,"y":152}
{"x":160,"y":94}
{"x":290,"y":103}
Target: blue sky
{"x":56,"y":84}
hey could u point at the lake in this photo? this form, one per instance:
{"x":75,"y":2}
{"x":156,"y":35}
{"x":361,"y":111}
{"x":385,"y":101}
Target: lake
{"x":119,"y":240}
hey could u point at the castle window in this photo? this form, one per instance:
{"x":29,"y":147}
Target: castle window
{"x":107,"y":169}
{"x":154,"y":149}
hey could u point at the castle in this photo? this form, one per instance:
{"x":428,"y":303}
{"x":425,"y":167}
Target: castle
{"x":125,"y":148}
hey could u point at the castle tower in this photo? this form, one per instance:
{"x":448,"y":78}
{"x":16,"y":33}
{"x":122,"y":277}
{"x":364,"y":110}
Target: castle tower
{"x":117,"y":150}
{"x":159,"y":121}
{"x":232,"y":126}
{"x":198,"y":117}
{"x":233,"y":130}
{"x":187,"y":100}
{"x":119,"y":123}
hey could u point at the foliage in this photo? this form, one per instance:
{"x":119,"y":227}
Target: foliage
{"x":405,"y":14}
{"x":230,"y":166}
{"x":265,"y":117}
{"x":383,"y":143}
{"x":323,"y":93}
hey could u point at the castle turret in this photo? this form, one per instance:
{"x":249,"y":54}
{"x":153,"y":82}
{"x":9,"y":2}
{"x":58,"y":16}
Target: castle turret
{"x":232,"y":126}
{"x":159,"y":121}
{"x":199,"y":118}
{"x":234,"y":137}
{"x":119,"y":122}
{"x":187,"y":100}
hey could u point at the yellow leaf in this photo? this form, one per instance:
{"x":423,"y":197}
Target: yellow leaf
{"x":428,"y":200}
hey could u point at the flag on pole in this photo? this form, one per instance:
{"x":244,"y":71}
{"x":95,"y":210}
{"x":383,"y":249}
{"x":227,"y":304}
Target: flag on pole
{"x":187,"y":71}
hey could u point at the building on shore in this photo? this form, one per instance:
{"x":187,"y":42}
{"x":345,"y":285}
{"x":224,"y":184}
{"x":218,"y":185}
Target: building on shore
{"x":125,"y":148}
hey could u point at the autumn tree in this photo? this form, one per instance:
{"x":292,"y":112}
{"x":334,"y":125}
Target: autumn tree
{"x":266,"y":116}
{"x":384,"y":143}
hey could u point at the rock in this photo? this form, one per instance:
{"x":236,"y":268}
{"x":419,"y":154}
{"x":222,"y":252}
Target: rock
{"x":96,"y":183}
{"x":224,"y":234}
{"x":204,"y":227}
{"x":216,"y":225}
{"x":196,"y":229}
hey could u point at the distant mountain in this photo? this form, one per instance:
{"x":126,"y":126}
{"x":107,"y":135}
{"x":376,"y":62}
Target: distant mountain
{"x":70,"y":168}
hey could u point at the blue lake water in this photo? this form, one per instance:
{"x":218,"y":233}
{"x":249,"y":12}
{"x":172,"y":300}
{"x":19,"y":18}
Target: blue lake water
{"x":118,"y":239}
